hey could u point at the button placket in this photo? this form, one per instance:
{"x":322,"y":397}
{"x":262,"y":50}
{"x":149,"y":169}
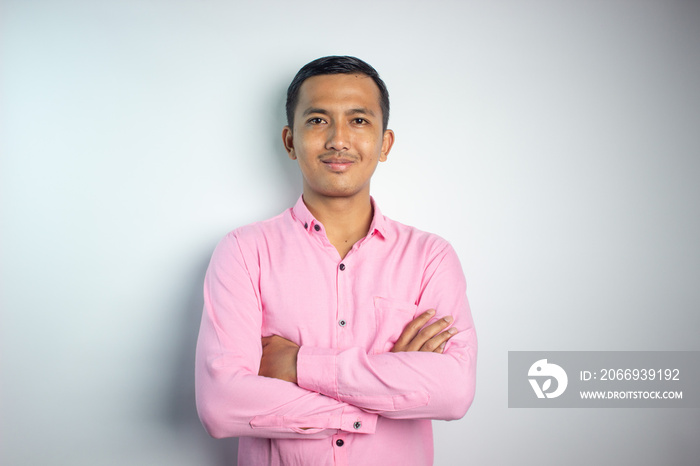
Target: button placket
{"x":340,"y":447}
{"x":344,"y":313}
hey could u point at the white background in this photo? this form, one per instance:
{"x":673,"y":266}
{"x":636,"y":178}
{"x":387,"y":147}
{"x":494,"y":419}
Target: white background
{"x":554,"y":143}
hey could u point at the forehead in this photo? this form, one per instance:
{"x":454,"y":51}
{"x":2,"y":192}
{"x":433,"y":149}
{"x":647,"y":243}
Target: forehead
{"x":334,"y":90}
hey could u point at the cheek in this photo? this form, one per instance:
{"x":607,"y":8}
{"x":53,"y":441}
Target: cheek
{"x":370,"y":143}
{"x":305,"y":150}
{"x":301,"y":145}
{"x":374,"y":147}
{"x":306,"y":137}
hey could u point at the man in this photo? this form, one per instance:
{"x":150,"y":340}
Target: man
{"x":332,"y":335}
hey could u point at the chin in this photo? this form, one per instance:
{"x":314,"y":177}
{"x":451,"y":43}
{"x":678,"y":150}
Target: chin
{"x":339,"y":192}
{"x":331,"y":189}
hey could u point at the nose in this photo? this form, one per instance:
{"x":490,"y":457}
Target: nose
{"x":338,"y":138}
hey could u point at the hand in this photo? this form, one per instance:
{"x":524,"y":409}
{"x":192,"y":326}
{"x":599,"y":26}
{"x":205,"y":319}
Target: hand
{"x":431,"y":338}
{"x":279,"y":359}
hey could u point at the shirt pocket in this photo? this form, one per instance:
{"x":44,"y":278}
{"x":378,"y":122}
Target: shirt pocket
{"x":391,"y":318}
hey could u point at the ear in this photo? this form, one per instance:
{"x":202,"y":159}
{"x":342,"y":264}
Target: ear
{"x":288,"y":141}
{"x":387,"y":142}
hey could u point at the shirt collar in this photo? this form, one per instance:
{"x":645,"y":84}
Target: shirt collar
{"x":302,"y":215}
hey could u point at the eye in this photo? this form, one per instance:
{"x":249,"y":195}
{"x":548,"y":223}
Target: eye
{"x":315,"y":121}
{"x":360,"y":121}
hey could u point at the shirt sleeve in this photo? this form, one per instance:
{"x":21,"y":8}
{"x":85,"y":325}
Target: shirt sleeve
{"x":232,"y":399}
{"x":406,"y":385}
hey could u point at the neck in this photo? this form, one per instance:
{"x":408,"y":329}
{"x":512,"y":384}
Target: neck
{"x":346,"y":219}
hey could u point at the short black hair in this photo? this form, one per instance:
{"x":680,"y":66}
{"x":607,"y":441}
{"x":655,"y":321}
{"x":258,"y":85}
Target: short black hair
{"x":336,"y":65}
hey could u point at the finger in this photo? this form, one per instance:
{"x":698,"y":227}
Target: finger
{"x":429,"y":332}
{"x":437,"y":343}
{"x":412,"y":328}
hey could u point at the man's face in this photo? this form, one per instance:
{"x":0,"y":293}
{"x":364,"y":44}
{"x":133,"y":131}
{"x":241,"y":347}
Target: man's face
{"x":337,"y":136}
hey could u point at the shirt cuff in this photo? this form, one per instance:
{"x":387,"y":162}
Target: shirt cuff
{"x":357,"y":421}
{"x":316,"y":370}
{"x":351,"y":419}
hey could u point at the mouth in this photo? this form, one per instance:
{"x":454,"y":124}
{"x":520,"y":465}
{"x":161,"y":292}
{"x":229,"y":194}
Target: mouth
{"x":338,"y":164}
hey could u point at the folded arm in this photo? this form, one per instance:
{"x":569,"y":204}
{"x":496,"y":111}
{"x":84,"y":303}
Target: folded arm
{"x":232,"y":399}
{"x":279,"y":355}
{"x":409,"y":384}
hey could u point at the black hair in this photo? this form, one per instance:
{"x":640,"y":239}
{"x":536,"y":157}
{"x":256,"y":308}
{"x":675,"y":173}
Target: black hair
{"x":336,"y":65}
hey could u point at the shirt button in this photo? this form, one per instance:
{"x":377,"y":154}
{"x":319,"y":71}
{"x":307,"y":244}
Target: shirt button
{"x":342,"y":267}
{"x":339,"y":442}
{"x":306,"y":225}
{"x":317,"y":227}
{"x":342,"y":322}
{"x":357,"y":425}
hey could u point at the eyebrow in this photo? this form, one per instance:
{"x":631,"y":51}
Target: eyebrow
{"x":311,"y":110}
{"x":360,"y":111}
{"x":354,"y":111}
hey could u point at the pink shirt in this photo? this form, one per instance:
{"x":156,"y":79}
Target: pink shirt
{"x":356,"y":403}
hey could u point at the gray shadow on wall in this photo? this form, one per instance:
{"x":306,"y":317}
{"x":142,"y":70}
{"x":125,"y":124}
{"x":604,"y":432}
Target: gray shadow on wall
{"x":179,"y":412}
{"x":284,"y":168}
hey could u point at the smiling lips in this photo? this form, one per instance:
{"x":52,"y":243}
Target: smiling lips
{"x":338,"y":164}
